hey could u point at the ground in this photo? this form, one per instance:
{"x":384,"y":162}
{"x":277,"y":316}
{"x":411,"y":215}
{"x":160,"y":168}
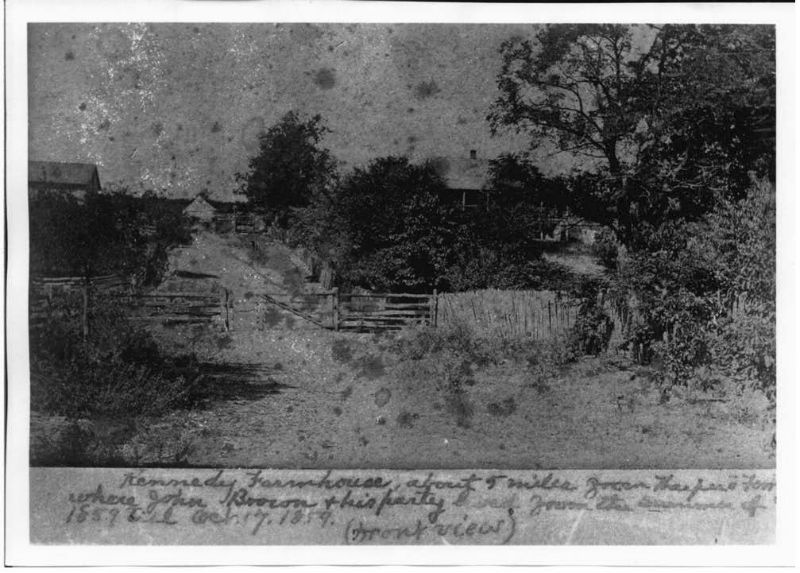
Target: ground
{"x":293,"y":395}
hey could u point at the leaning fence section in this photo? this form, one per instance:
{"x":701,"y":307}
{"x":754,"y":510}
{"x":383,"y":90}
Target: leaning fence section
{"x":358,"y":311}
{"x":387,"y":311}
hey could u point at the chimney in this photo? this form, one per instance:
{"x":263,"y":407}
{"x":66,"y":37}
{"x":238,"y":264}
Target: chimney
{"x":473,"y":154}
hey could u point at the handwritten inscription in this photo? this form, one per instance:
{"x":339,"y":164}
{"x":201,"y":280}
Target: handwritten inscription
{"x":481,"y":507}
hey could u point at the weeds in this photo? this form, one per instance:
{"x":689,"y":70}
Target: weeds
{"x":451,"y":355}
{"x":103,"y":383}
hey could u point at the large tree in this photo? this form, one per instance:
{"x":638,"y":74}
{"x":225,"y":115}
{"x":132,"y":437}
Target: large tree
{"x":668,"y":117}
{"x":291,"y":168}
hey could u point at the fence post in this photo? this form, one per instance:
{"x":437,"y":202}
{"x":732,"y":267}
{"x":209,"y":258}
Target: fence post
{"x":335,"y":304}
{"x":434,"y":308}
{"x":228,"y":308}
{"x":224,"y":301}
{"x":85,"y":318}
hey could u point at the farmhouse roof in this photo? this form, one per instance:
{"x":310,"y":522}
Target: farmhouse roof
{"x":67,"y":175}
{"x":462,"y":172}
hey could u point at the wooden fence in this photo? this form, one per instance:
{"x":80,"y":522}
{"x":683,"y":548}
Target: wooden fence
{"x":168,"y":308}
{"x":175,"y":308}
{"x":44,"y":290}
{"x":388,"y":311}
{"x":238,"y":223}
{"x":47,"y":286}
{"x":359,"y":311}
{"x":510,"y":313}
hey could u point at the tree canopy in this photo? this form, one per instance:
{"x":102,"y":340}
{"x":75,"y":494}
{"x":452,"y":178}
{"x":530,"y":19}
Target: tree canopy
{"x":685,"y":108}
{"x":393,"y":227}
{"x":290,"y":169}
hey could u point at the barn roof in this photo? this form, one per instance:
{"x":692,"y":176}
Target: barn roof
{"x":62,"y":174}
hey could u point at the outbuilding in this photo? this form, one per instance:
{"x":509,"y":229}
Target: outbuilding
{"x":76,"y":179}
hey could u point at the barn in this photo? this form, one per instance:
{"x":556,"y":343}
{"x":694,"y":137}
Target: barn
{"x":76,"y":179}
{"x":200,"y":209}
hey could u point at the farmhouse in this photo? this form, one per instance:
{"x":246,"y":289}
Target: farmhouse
{"x":466,"y":178}
{"x":76,"y":179}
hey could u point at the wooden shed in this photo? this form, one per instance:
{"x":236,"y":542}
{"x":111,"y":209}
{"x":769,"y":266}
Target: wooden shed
{"x":200,"y":209}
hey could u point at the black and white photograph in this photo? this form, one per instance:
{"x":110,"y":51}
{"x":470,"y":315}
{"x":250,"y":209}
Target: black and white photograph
{"x":342,"y":248}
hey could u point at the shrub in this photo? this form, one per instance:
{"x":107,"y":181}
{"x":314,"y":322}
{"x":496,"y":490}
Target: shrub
{"x":451,"y":354}
{"x":593,"y":326}
{"x":104,"y":234}
{"x":606,"y":249}
{"x":116,"y":371}
{"x":545,"y":358}
{"x":705,"y":294}
{"x":458,"y":339}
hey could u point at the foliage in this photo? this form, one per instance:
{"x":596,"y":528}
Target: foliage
{"x":743,"y":240}
{"x":291,"y":170}
{"x":105,"y":233}
{"x":116,"y":372}
{"x":452,"y":355}
{"x":521,"y":200}
{"x":704,"y":293}
{"x":480,"y":267}
{"x":671,"y":117}
{"x":593,"y":326}
{"x":606,"y":249}
{"x":390,"y":229}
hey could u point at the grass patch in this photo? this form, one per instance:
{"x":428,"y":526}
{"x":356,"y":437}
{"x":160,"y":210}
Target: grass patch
{"x":453,"y":354}
{"x":110,"y":378}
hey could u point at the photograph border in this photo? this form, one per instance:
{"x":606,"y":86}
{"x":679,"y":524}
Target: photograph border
{"x":19,"y":13}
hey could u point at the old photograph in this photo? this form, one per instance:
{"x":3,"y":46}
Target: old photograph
{"x":291,"y":277}
{"x":402,"y":246}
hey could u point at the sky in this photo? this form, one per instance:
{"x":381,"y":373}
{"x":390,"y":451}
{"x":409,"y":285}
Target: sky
{"x":177,"y":108}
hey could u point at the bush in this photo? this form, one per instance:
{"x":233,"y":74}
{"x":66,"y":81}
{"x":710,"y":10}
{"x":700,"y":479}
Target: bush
{"x":606,"y":249}
{"x":593,"y":326}
{"x":456,"y":350}
{"x":546,"y":358}
{"x":117,"y":371}
{"x":457,"y":339}
{"x":104,"y":234}
{"x":705,"y":295}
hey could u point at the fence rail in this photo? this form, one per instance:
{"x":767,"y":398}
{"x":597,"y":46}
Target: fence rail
{"x":358,"y":311}
{"x":536,"y":314}
{"x":148,"y":307}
